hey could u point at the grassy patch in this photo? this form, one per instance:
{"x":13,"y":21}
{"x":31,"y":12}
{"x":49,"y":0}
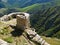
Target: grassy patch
{"x":9,"y":39}
{"x":52,"y":41}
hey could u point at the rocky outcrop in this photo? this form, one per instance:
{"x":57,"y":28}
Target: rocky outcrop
{"x":2,"y":42}
{"x":4,"y":18}
{"x":11,"y":15}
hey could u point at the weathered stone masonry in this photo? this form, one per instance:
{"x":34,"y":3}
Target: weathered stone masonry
{"x":23,"y":21}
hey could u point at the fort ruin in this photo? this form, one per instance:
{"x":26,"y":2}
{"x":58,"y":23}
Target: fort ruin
{"x":23,"y":22}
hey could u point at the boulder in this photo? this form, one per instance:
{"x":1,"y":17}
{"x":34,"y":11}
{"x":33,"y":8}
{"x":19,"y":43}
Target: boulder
{"x":30,"y":33}
{"x":4,"y":18}
{"x":2,"y":42}
{"x":37,"y":38}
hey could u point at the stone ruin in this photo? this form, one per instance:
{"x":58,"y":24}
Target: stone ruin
{"x":23,"y":23}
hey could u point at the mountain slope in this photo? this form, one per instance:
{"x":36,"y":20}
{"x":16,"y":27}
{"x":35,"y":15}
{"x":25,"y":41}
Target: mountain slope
{"x":46,"y":20}
{"x":24,"y":3}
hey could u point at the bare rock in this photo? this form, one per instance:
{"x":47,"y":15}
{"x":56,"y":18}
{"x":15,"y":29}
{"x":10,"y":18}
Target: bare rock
{"x":4,"y":18}
{"x":2,"y":42}
{"x":30,"y":32}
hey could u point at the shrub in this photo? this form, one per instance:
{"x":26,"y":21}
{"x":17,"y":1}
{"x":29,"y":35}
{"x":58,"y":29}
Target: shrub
{"x":9,"y":39}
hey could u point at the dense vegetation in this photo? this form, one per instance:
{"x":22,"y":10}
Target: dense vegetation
{"x":47,"y":22}
{"x":22,"y":3}
{"x":25,"y":3}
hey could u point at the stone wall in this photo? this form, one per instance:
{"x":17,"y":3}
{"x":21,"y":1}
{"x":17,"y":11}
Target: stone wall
{"x":23,"y":21}
{"x":4,"y":18}
{"x":35,"y":37}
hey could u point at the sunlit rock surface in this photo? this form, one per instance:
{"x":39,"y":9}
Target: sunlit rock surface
{"x":2,"y":42}
{"x":23,"y":21}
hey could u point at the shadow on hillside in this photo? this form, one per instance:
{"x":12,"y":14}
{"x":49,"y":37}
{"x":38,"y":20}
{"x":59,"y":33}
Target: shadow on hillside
{"x":16,"y":32}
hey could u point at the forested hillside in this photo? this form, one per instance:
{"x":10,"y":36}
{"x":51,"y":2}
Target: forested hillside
{"x":45,"y":20}
{"x":25,"y":3}
{"x":22,"y":3}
